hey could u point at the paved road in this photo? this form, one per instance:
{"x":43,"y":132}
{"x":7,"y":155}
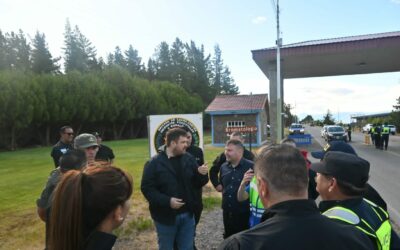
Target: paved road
{"x":385,"y":167}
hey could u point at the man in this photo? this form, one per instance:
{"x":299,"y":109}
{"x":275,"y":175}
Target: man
{"x":372,"y":132}
{"x":63,"y":145}
{"x":377,"y":136}
{"x":385,"y":136}
{"x":235,"y":213}
{"x":341,"y":182}
{"x":215,"y":169}
{"x":168,"y":183}
{"x":349,"y":132}
{"x":73,"y":159}
{"x":104,"y":153}
{"x":340,"y":146}
{"x":88,"y":144}
{"x":293,"y":221}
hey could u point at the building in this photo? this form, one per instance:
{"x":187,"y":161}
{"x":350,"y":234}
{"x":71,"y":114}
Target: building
{"x":247,"y":114}
{"x":361,"y":120}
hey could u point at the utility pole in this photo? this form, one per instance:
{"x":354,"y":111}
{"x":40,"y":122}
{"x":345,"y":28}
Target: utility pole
{"x":278,"y":78}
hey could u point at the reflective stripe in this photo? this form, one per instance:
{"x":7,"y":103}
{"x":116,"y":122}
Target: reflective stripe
{"x":343,"y":214}
{"x":384,"y":235}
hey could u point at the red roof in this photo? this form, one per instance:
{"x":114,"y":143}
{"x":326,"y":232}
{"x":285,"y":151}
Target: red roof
{"x":238,"y":103}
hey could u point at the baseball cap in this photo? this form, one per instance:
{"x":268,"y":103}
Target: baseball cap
{"x":340,"y":146}
{"x":84,"y":141}
{"x":345,"y":167}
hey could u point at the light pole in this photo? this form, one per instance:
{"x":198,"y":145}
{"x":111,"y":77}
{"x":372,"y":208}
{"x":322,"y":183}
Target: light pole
{"x":278,"y":78}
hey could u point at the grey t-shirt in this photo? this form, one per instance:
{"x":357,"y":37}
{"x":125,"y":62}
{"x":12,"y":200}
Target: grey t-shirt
{"x":45,"y":198}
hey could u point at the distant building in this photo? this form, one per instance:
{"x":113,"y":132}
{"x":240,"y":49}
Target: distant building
{"x":361,"y":120}
{"x":247,"y":114}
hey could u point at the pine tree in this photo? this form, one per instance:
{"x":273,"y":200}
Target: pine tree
{"x":119,"y":57}
{"x":3,"y":52}
{"x":134,"y":62}
{"x":42,"y":60}
{"x":222,"y":81}
{"x":328,"y":118}
{"x":163,"y":62}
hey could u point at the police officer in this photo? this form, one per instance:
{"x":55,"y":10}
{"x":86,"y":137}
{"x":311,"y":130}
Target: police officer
{"x":372,"y":132}
{"x":377,"y":136}
{"x":341,"y":181}
{"x":385,"y":136}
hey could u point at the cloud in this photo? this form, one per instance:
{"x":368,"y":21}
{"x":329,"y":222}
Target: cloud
{"x":395,"y":1}
{"x":259,"y":19}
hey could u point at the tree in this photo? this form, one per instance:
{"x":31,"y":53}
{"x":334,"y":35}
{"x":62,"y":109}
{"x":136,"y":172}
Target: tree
{"x":163,"y":62}
{"x":221,"y":81}
{"x":42,"y":60}
{"x":3,"y":52}
{"x":18,"y":51}
{"x":134,"y":62}
{"x":307,"y":119}
{"x":79,"y":53}
{"x":395,"y":115}
{"x":328,"y":118}
{"x":119,"y":57}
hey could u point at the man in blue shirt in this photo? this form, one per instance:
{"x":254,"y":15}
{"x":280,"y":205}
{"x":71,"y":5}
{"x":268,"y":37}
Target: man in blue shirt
{"x":235,"y":214}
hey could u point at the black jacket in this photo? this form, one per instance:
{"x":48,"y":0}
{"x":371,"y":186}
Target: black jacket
{"x":297,"y":224}
{"x":58,"y":150}
{"x":100,"y":241}
{"x":216,"y":167}
{"x":160,"y":183}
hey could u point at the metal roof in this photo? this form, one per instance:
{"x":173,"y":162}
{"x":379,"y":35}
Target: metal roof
{"x":237,"y":103}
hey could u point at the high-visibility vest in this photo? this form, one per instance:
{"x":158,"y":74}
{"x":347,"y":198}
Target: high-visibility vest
{"x":256,"y":206}
{"x":385,"y":131}
{"x":372,"y":130}
{"x":377,"y":130}
{"x":381,"y":231}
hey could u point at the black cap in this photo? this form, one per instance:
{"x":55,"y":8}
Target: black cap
{"x":334,"y":146}
{"x":345,"y":167}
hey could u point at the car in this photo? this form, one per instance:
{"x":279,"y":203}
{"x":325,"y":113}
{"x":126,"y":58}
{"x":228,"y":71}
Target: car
{"x":296,"y":128}
{"x":323,"y":131}
{"x":367,"y":128}
{"x":392,"y":129}
{"x":335,"y":133}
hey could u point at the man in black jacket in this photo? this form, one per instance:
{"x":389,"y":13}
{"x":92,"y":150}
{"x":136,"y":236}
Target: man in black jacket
{"x":221,"y":159}
{"x":168,"y":183}
{"x":63,"y":145}
{"x":293,"y":221}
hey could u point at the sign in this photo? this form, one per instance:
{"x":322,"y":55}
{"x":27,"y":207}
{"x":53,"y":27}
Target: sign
{"x":300,"y":139}
{"x":245,"y":129}
{"x":158,"y":125}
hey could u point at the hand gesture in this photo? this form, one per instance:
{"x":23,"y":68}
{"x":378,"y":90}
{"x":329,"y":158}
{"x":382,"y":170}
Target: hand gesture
{"x":247,"y":176}
{"x":203,"y":169}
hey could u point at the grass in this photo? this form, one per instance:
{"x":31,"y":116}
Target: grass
{"x":24,"y":173}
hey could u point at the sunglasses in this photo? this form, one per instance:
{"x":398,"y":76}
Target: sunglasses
{"x":70,"y":134}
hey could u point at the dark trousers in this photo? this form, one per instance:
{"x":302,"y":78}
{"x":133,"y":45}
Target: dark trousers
{"x":373,"y":139}
{"x":377,"y":141}
{"x":385,"y":141}
{"x":235,"y":222}
{"x":349,"y":135}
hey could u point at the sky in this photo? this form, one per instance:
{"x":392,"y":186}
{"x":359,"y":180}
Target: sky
{"x":238,"y":26}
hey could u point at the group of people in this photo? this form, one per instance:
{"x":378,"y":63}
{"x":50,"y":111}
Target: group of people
{"x":268,"y":199}
{"x":85,"y":197}
{"x":380,"y":135}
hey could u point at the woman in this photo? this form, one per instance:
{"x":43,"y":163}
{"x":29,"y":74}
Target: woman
{"x":87,"y":206}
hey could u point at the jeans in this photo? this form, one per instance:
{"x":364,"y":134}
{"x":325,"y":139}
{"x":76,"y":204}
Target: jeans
{"x":182,"y":232}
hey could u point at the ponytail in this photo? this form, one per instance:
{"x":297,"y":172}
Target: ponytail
{"x":66,"y":213}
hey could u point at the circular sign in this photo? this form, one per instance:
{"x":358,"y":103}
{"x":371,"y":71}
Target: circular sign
{"x":176,"y":122}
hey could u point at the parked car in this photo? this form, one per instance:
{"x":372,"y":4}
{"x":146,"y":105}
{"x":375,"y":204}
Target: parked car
{"x":392,"y":129}
{"x":296,"y":128}
{"x":323,"y":131}
{"x":335,"y":133}
{"x":367,"y":128}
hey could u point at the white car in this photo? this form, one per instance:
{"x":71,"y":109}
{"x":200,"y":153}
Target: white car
{"x":367,"y":128}
{"x":392,"y":129}
{"x":323,"y":131}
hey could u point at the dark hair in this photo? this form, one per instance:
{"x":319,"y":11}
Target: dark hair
{"x":283,"y":167}
{"x":82,"y":200}
{"x":62,"y":129}
{"x":289,"y":141}
{"x":351,"y":190}
{"x":73,"y":159}
{"x":235,"y":142}
{"x":174,"y":134}
{"x":236,"y":133}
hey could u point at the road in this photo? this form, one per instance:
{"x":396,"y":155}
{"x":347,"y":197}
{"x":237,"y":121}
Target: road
{"x":385,"y":167}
